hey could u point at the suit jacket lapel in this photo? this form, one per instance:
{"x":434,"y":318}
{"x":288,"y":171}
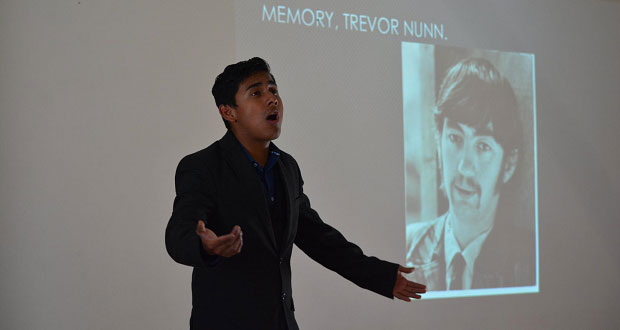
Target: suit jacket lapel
{"x":250,"y":182}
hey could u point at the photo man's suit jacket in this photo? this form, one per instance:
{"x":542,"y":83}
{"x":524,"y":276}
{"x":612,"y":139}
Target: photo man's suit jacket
{"x":252,"y":289}
{"x":507,"y":256}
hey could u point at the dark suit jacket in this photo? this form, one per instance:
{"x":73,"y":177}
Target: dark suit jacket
{"x":506,"y":259}
{"x":251,"y":290}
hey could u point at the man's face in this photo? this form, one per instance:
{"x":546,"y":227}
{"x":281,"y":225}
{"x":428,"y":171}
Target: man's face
{"x":472,"y":165}
{"x":259,"y":109}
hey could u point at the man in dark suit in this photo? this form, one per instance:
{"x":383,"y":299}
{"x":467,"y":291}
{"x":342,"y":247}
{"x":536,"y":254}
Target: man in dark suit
{"x":475,"y":244}
{"x":239,"y":208}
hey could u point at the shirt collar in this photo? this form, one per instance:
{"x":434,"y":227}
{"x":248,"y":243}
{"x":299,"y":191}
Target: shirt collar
{"x":274,"y":154}
{"x":471,"y":251}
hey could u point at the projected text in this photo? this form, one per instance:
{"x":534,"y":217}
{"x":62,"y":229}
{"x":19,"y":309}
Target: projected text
{"x":357,"y":22}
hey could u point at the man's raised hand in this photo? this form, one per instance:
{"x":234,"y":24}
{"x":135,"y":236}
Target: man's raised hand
{"x":405,"y":289}
{"x":226,"y":245}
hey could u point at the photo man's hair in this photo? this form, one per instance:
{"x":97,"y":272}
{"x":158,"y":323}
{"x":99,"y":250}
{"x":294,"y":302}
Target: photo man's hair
{"x":474,"y":93}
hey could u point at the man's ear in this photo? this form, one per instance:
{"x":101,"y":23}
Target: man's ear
{"x":510,"y":165}
{"x":228,"y":113}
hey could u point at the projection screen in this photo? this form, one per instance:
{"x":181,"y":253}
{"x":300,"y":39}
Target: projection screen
{"x":376,"y":72}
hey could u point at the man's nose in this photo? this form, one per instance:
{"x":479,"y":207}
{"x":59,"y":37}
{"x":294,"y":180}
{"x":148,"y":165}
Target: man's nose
{"x":467,"y":166}
{"x":273,"y":100}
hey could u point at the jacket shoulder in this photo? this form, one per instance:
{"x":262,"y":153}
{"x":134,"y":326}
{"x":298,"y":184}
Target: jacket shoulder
{"x":422,"y":239}
{"x":201,"y":158}
{"x":417,"y":230}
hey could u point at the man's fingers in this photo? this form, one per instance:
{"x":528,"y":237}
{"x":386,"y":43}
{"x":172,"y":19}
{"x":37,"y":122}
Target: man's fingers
{"x":402,"y":297}
{"x":200,"y":227}
{"x":225,"y":245}
{"x":405,"y":289}
{"x":230,"y":244}
{"x":225,"y":240}
{"x":415,"y":285}
{"x":231,"y":249}
{"x":238,"y":243}
{"x":405,"y":270}
{"x":411,"y":292}
{"x":229,"y":238}
{"x":202,"y":230}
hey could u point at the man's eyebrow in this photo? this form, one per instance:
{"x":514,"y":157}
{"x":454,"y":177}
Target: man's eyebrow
{"x":478,"y":131}
{"x":269,"y":83}
{"x":254,"y":85}
{"x":486,"y":130}
{"x":454,"y":125}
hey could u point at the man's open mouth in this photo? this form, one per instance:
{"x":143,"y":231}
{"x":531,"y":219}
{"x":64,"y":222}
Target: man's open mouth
{"x":273,"y":117}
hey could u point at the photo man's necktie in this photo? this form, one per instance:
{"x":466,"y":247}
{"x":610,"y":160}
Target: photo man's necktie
{"x":458,"y":267}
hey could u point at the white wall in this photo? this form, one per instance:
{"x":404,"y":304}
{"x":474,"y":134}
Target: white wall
{"x":99,"y":101}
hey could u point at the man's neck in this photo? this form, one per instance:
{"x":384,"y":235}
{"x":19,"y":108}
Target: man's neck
{"x":466,"y":231}
{"x":259,"y":150}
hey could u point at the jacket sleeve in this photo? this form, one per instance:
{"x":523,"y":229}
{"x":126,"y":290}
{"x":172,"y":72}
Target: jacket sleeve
{"x":195,"y":200}
{"x":330,"y":248}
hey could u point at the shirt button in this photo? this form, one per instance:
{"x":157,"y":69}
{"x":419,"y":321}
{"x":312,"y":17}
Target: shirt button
{"x":255,"y":164}
{"x":273,"y":199}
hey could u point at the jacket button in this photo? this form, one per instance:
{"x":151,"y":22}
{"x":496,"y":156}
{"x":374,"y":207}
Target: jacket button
{"x":281,"y":261}
{"x":283,"y":296}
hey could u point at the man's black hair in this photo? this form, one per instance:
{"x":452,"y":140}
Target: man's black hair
{"x":474,"y":93}
{"x":227,"y":83}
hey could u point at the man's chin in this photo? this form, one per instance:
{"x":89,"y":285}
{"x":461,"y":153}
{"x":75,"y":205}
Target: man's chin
{"x":272,"y":134}
{"x":465,"y":200}
{"x":466,"y":212}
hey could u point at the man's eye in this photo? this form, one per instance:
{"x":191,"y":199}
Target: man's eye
{"x":274,"y":91}
{"x":255,"y":93}
{"x":455,"y":138}
{"x":484,"y":147}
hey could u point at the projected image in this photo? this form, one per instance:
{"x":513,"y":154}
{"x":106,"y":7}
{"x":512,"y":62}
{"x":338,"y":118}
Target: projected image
{"x":470,"y":170}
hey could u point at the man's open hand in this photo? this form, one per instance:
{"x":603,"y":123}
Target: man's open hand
{"x":226,"y":245}
{"x":405,"y":289}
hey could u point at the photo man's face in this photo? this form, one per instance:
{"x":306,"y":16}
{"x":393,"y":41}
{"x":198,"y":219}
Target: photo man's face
{"x":471,"y":163}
